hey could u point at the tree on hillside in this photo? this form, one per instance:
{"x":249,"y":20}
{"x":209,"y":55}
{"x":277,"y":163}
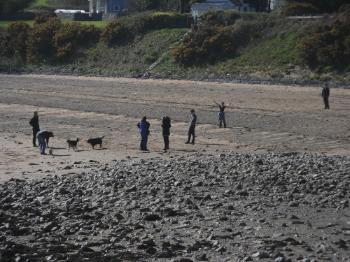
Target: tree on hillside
{"x":323,"y":6}
{"x":12,"y":6}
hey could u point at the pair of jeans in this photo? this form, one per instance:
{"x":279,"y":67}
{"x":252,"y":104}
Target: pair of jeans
{"x":191,"y":133}
{"x":42,"y":144}
{"x":144,"y":140}
{"x":222,"y":119}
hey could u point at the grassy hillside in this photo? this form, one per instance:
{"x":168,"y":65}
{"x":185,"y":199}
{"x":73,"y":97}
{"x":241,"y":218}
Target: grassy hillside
{"x":274,"y":56}
{"x":130,"y":60}
{"x":271,"y":50}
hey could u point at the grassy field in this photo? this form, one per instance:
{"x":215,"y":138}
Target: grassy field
{"x":7,"y":23}
{"x":39,"y":3}
{"x":98,"y":24}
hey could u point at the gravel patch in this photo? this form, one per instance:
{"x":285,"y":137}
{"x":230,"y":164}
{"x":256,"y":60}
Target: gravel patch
{"x":196,"y":207}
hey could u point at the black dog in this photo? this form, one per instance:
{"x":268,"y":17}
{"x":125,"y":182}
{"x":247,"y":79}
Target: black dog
{"x":95,"y":141}
{"x":73,"y":144}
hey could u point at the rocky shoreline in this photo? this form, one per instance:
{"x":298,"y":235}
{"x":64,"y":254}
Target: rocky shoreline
{"x":195,"y":207}
{"x":239,"y":79}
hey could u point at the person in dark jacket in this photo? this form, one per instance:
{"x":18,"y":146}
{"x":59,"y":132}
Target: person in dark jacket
{"x":34,"y":122}
{"x":325,"y":95}
{"x":192,"y":127}
{"x":144,"y":126}
{"x":42,"y":139}
{"x":166,"y":125}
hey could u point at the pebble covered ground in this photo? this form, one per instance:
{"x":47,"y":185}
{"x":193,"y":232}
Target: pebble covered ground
{"x":195,"y":207}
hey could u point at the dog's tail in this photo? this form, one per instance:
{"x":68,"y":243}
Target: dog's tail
{"x":102,"y":137}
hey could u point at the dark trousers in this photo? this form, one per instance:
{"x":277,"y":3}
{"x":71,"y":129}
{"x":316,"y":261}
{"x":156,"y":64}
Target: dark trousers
{"x":166,"y":142}
{"x":42,"y":144}
{"x":143,"y":144}
{"x":191,"y":133}
{"x":35,"y":131}
{"x":222,"y":119}
{"x":326,"y":102}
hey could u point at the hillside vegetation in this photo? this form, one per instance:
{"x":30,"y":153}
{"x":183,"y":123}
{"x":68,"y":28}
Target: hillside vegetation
{"x":224,"y":45}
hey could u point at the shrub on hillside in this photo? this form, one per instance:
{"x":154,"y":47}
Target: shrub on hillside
{"x":126,"y":28}
{"x":322,"y":6}
{"x":3,"y":42}
{"x":72,"y":36}
{"x":40,"y":42}
{"x":43,"y":17}
{"x":293,"y":9}
{"x":16,"y":39}
{"x":161,"y":20}
{"x":220,"y":18}
{"x":144,"y":22}
{"x":115,"y":33}
{"x":208,"y":44}
{"x":328,"y":46}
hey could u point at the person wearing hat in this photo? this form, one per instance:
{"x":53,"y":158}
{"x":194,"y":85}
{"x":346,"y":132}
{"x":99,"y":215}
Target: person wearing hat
{"x":144,"y":126}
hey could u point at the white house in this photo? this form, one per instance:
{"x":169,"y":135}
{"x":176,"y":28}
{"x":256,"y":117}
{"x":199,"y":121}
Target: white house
{"x":199,"y":9}
{"x":276,"y":4}
{"x":106,"y":6}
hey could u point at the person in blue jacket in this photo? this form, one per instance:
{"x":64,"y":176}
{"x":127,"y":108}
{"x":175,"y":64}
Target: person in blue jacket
{"x":144,"y":126}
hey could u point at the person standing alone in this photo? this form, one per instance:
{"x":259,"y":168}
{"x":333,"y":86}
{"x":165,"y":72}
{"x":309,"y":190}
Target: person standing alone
{"x":325,"y":95}
{"x":144,"y":126}
{"x":192,"y":127}
{"x":222,"y":119}
{"x":166,"y":125}
{"x":34,"y":122}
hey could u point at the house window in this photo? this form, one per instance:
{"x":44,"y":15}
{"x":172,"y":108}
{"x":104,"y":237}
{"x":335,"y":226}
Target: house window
{"x":116,"y":8}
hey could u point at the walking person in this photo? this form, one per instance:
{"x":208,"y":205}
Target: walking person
{"x":325,"y":94}
{"x":42,"y":138}
{"x":166,"y":125}
{"x":144,"y":126}
{"x":34,"y":122}
{"x":221,"y":114}
{"x":192,"y":127}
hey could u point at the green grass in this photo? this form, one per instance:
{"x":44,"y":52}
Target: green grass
{"x":277,"y":51}
{"x":39,"y":3}
{"x":7,"y":23}
{"x":98,"y":24}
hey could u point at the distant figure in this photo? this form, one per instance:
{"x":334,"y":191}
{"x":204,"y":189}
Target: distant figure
{"x":325,"y":95}
{"x":144,"y":126}
{"x":166,"y":125}
{"x":221,"y":114}
{"x":192,"y":127}
{"x":34,"y":122}
{"x":42,"y":139}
